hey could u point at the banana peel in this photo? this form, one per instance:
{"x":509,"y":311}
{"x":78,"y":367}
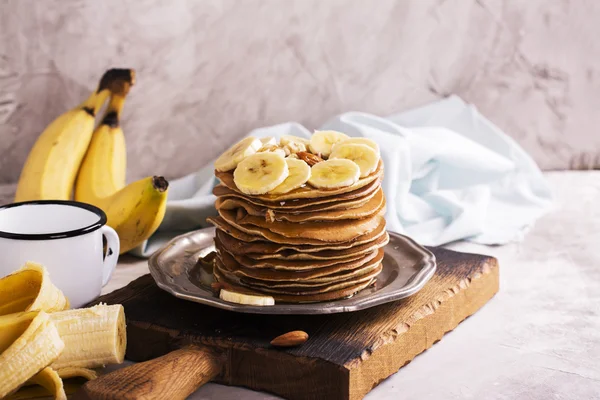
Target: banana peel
{"x":45,"y":383}
{"x":30,"y":289}
{"x":28,"y":343}
{"x":54,"y":383}
{"x":42,"y":343}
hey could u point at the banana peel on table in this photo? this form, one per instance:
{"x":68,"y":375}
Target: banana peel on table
{"x":41,"y":343}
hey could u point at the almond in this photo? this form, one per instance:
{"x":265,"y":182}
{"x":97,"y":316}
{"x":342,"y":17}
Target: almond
{"x":290,"y":339}
{"x":309,"y":158}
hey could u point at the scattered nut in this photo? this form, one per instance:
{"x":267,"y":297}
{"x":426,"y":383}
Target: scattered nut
{"x":290,"y":339}
{"x":270,"y":216}
{"x":309,"y":158}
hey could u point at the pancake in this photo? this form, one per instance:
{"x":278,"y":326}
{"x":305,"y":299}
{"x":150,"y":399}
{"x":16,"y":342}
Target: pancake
{"x":263,"y":249}
{"x":305,"y":192}
{"x":296,"y":289}
{"x":351,"y":259}
{"x":381,"y":241}
{"x":283,"y":264}
{"x":325,"y":274}
{"x":285,"y":232}
{"x":376,"y":203}
{"x":306,"y":205}
{"x":320,"y":284}
{"x":290,"y":298}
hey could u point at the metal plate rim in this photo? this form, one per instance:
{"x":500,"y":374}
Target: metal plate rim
{"x":415,"y":283}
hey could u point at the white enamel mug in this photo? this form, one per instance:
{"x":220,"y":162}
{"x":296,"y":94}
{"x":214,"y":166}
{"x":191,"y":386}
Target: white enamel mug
{"x":66,"y":238}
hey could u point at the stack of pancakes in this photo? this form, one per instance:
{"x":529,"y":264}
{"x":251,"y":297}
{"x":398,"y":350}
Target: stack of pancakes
{"x":306,"y":245}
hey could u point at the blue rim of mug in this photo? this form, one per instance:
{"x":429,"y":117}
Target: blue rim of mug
{"x":57,"y":235}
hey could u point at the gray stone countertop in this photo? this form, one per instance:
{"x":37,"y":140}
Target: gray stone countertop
{"x":538,"y":338}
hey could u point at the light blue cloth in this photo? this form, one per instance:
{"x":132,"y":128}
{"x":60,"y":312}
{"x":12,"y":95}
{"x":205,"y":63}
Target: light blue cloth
{"x":450,"y":174}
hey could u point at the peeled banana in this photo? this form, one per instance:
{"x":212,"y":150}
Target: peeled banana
{"x":248,"y":299}
{"x":93,"y":337}
{"x":332,"y":174}
{"x":299,"y":174}
{"x":28,"y":343}
{"x":321,"y":142}
{"x":52,"y":165}
{"x":30,"y":289}
{"x":366,"y":157}
{"x":260,"y":173}
{"x":235,"y":154}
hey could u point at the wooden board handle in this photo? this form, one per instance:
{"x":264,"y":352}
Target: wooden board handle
{"x":174,"y":376}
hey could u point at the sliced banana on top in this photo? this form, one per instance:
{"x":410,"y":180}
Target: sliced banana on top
{"x":360,"y":140}
{"x":260,"y":173}
{"x":268,"y":141}
{"x":363,"y":155}
{"x":236,"y":153}
{"x":299,"y":173}
{"x":248,"y":299}
{"x":291,"y":139}
{"x":332,"y":174}
{"x":321,"y":142}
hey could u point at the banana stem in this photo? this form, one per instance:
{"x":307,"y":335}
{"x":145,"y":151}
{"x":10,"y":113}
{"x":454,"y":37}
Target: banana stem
{"x":112,"y":116}
{"x":160,"y":183}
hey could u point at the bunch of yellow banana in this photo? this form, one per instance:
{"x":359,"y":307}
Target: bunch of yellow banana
{"x":71,"y":156}
{"x":42,"y":343}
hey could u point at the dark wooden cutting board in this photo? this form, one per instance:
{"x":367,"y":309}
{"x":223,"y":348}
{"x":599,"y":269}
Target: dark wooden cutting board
{"x":345,"y":357}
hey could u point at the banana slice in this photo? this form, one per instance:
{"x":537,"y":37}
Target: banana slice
{"x":299,"y":173}
{"x":366,"y":157}
{"x":291,"y":139}
{"x":321,"y":142}
{"x":360,"y":140}
{"x":332,"y":174}
{"x":268,"y":141}
{"x":251,"y":300}
{"x":236,"y":153}
{"x":260,"y":173}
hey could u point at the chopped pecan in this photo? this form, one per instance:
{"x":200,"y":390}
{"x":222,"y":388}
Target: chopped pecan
{"x":309,"y":158}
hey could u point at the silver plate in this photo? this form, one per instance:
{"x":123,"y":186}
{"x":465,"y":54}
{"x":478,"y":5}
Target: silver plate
{"x":406,"y":268}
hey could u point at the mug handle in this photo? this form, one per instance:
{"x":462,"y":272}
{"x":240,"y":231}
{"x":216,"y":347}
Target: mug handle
{"x":112,"y":253}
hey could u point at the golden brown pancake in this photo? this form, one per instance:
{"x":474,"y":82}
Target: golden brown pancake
{"x":288,"y":298}
{"x":324,"y":274}
{"x":283,"y":264}
{"x":262,"y":249}
{"x":306,"y":192}
{"x":376,"y":203}
{"x":296,"y":289}
{"x":285,"y":232}
{"x":346,"y":200}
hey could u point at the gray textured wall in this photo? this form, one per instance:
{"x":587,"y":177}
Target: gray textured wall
{"x":208,"y":71}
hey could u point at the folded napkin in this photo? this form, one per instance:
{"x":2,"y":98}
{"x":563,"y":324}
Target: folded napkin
{"x":450,"y":175}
